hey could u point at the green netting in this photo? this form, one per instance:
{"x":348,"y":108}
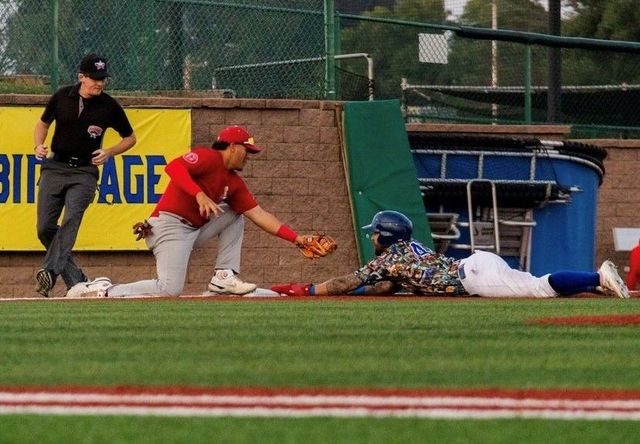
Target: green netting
{"x":171,"y":45}
{"x":382,"y":175}
{"x":279,"y":49}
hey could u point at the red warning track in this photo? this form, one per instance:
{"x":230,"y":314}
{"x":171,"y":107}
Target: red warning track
{"x":264,"y":402}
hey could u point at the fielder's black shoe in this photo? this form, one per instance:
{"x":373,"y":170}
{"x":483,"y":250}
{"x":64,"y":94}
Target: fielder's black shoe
{"x":45,"y":282}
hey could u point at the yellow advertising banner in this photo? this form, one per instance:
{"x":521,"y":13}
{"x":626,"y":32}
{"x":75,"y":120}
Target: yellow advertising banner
{"x":130,"y":185}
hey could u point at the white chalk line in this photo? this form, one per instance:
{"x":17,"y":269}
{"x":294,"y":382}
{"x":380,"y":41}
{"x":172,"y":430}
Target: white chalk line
{"x":279,"y":405}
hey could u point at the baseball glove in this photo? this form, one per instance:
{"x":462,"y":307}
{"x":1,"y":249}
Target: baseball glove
{"x":142,"y":230}
{"x":316,"y":245}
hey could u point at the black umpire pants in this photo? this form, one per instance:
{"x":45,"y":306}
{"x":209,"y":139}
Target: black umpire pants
{"x":62,"y":186}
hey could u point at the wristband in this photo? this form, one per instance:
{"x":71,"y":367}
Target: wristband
{"x":286,"y":233}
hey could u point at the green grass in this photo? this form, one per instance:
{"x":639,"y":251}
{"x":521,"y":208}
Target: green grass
{"x":408,"y":343}
{"x":417,"y":343}
{"x":115,"y":430}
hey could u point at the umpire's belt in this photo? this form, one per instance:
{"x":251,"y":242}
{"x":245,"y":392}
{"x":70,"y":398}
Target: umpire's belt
{"x":72,"y":161}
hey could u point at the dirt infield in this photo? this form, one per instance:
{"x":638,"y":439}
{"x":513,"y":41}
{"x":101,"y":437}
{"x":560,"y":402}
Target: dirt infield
{"x":613,"y":320}
{"x":399,"y":297}
{"x":267,"y":402}
{"x":242,"y":298}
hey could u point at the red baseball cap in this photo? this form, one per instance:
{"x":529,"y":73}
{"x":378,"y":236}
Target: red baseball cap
{"x":237,"y":134}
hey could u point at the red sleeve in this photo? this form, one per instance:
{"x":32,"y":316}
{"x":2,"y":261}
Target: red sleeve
{"x":634,"y":269}
{"x":180,"y":176}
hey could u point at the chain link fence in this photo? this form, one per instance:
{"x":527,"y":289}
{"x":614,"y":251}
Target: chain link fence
{"x":599,"y":88}
{"x":170,"y":46}
{"x":406,"y":49}
{"x":448,"y":71}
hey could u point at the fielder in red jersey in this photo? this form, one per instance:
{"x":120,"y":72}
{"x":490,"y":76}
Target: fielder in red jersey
{"x":205,"y":198}
{"x":633,"y":277}
{"x":202,"y":170}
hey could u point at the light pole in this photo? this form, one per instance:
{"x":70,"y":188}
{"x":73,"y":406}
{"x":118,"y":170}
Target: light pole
{"x":494,"y":57}
{"x":554,"y":73}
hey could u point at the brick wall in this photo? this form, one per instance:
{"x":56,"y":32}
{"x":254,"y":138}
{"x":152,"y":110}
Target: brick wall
{"x":300,"y":178}
{"x":619,"y":198}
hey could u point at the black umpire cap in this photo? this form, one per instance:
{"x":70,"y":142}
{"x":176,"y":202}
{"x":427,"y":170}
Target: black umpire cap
{"x":94,"y":66}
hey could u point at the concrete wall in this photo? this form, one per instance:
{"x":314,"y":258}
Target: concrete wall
{"x":300,"y":178}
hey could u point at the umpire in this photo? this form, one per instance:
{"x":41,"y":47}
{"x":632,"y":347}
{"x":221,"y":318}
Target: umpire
{"x":68,"y":179}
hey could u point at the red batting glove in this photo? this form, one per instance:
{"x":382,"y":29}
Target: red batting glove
{"x":293,"y":289}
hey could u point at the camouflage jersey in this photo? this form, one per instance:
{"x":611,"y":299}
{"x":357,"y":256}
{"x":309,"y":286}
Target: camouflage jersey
{"x":414,"y":268}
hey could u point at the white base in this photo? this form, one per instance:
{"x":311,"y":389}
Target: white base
{"x":257,"y":293}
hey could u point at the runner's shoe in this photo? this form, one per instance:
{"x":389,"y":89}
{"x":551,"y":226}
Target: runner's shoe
{"x":226,"y":282}
{"x":611,"y":280}
{"x":96,"y":288}
{"x":45,"y":282}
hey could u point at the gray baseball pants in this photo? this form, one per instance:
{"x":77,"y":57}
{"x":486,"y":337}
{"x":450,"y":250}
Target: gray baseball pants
{"x":72,"y":189}
{"x":172,"y":242}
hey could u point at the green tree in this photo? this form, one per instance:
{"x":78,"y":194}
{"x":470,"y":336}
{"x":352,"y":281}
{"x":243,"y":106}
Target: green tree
{"x":610,"y":20}
{"x":161,"y":45}
{"x":271,"y":41}
{"x":517,"y":15}
{"x":394,"y":48}
{"x":123,"y":33}
{"x":470,"y":61}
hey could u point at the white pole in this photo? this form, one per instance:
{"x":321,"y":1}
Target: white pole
{"x":494,"y":56}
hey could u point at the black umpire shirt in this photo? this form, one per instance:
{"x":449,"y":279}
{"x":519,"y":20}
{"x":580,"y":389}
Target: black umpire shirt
{"x":81,"y":123}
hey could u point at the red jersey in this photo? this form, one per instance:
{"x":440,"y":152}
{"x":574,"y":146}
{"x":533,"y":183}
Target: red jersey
{"x":202,"y":169}
{"x":633,"y":278}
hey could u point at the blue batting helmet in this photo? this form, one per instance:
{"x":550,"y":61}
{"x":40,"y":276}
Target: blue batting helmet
{"x":393,"y":226}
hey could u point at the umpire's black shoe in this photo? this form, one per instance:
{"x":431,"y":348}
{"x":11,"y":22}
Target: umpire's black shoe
{"x":45,"y":281}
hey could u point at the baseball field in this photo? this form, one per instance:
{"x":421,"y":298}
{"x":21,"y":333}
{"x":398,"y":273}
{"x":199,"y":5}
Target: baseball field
{"x":402,"y":369}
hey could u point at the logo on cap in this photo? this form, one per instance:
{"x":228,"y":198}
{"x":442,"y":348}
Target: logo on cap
{"x":94,"y":66}
{"x":239,"y":135}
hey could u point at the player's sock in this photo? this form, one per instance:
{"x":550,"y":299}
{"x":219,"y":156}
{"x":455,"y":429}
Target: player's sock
{"x":571,"y":282}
